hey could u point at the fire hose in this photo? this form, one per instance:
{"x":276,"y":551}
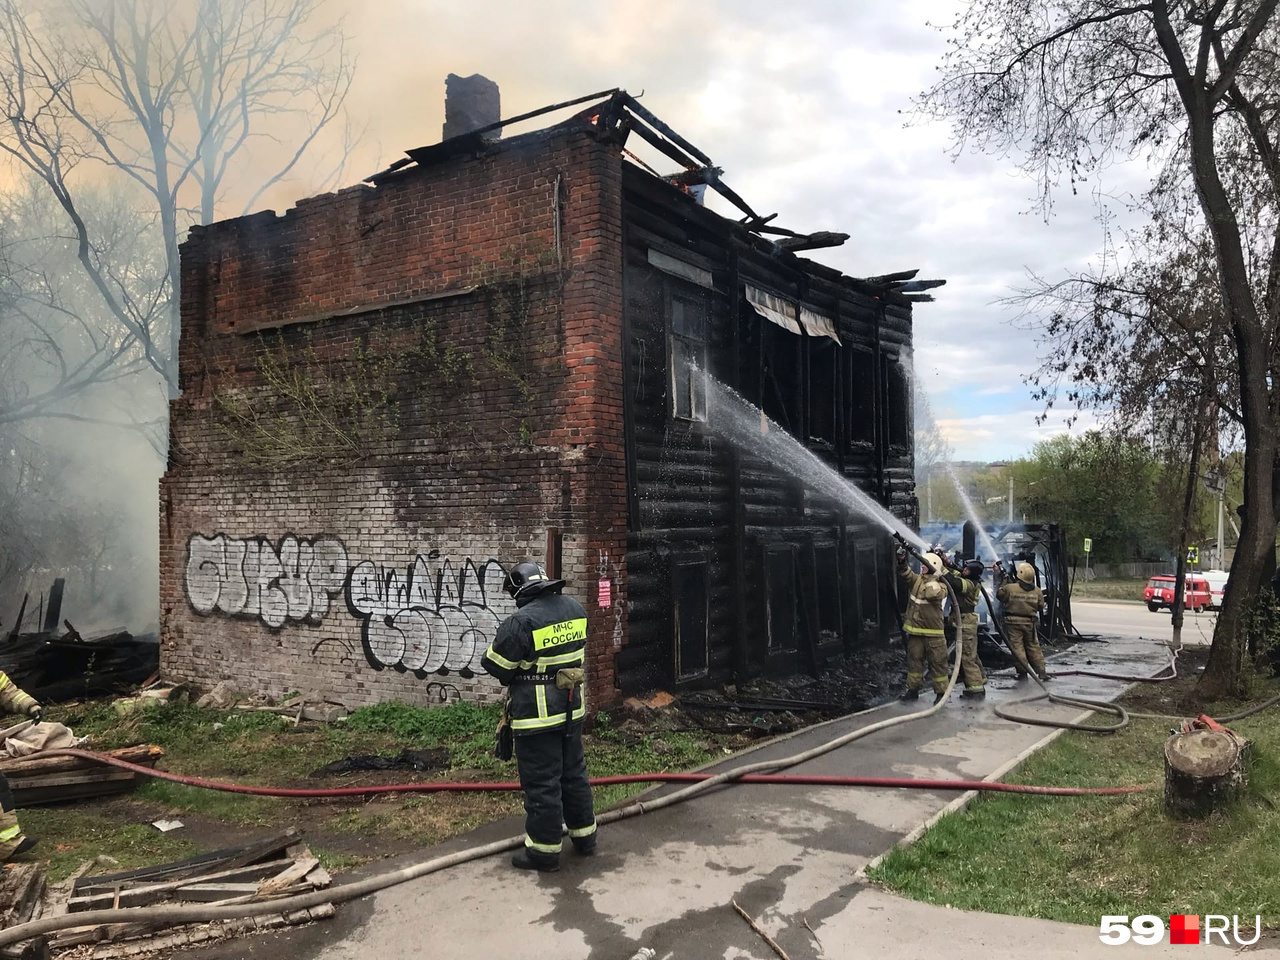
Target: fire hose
{"x":697,"y":784}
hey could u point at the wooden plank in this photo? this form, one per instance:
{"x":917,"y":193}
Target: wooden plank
{"x":143,"y":895}
{"x":51,"y":781}
{"x":200,"y":864}
{"x":21,"y":885}
{"x":256,"y":872}
{"x":145,"y":755}
{"x":291,"y":874}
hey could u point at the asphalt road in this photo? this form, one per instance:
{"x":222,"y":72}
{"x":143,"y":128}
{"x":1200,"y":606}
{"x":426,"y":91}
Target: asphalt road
{"x":1133,"y":619}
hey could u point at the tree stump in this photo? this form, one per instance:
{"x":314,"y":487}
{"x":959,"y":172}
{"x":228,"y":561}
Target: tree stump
{"x":1204,"y":770}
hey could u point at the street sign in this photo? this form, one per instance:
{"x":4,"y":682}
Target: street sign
{"x":1088,"y":545}
{"x":1193,"y":554}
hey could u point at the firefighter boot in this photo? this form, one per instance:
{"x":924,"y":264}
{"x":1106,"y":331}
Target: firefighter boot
{"x":526,"y":859}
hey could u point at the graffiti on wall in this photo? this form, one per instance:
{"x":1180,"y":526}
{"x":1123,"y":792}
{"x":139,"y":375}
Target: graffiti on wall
{"x":292,"y":580}
{"x":431,"y":617}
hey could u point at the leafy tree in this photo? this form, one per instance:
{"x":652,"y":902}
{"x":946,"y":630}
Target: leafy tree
{"x":1072,"y":84}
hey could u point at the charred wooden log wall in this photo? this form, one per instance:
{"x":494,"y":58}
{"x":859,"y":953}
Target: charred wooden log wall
{"x":734,"y":568}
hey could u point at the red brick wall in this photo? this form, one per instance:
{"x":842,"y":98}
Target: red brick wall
{"x":362,"y":573}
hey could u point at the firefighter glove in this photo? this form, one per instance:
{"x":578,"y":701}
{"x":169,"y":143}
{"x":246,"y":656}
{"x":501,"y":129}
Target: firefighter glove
{"x":504,"y":738}
{"x":36,"y":712}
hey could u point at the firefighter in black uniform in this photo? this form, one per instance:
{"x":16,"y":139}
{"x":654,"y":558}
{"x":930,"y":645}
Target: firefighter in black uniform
{"x":539,"y":652}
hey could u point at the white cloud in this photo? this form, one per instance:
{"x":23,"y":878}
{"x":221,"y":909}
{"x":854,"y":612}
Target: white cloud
{"x":1001,"y":436}
{"x":805,"y":106}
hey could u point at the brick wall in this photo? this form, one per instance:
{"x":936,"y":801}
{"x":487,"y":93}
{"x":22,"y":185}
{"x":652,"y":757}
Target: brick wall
{"x":470,"y":402}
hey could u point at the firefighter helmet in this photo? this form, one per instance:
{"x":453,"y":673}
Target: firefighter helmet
{"x":522,"y":575}
{"x":933,"y":562}
{"x":1026,"y":573}
{"x":973,"y":569}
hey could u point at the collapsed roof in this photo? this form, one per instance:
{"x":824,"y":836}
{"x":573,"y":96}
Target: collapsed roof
{"x":616,"y":115}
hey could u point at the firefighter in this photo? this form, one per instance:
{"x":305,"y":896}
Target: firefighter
{"x":966,"y":585}
{"x":13,"y":842}
{"x":922,"y":624}
{"x":1021,"y":600}
{"x":539,"y":652}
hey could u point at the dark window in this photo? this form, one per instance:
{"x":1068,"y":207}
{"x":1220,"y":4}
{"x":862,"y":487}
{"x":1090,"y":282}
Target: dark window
{"x":690,"y":593}
{"x":781,"y":598}
{"x":898,"y":405}
{"x":823,"y":357}
{"x":866,"y":570}
{"x":828,"y":564}
{"x":689,"y":322}
{"x":861,"y":397}
{"x":782,"y":377}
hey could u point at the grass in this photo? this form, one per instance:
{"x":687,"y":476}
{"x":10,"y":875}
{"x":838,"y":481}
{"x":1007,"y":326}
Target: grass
{"x":1076,"y":859}
{"x":71,"y":835}
{"x":264,"y":749}
{"x":1122,"y":588}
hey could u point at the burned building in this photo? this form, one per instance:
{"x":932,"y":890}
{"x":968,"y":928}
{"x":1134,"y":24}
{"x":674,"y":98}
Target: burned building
{"x":506,"y":347}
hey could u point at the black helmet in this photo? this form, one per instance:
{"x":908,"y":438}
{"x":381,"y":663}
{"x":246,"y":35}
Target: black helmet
{"x":524,"y":573}
{"x":973,"y":569}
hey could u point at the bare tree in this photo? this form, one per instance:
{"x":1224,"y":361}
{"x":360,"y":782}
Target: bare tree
{"x":177,"y":99}
{"x":1070,"y":85}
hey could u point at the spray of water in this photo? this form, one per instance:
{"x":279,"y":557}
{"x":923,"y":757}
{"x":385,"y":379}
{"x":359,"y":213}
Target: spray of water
{"x":987,"y":545}
{"x":746,"y":426}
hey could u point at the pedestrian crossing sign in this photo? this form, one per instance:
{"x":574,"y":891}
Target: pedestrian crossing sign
{"x":1193,"y":554}
{"x":1088,"y":545}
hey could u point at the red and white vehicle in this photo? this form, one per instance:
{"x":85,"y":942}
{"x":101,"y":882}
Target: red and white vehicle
{"x":1159,"y":593}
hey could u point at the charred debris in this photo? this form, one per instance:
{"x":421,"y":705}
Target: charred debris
{"x":46,"y":656}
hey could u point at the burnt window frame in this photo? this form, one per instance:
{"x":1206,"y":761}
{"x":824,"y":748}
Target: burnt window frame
{"x":856,"y":438}
{"x":815,"y":349}
{"x":865,"y":555}
{"x":681,"y":292}
{"x":788,"y":551}
{"x":786,"y":407}
{"x":897,"y":378}
{"x":700,"y":568}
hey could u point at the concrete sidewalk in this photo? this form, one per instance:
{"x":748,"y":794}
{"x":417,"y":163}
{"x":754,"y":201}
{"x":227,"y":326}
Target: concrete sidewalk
{"x":790,"y":856}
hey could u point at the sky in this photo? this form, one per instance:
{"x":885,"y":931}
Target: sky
{"x":808,"y":108}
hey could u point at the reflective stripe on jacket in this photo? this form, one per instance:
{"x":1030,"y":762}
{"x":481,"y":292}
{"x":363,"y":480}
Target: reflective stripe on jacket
{"x":967,"y":592}
{"x":924,"y":602}
{"x":13,"y":700}
{"x":546,"y":634}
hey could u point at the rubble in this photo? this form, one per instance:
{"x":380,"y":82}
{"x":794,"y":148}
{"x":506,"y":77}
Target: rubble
{"x":221,"y":697}
{"x":275,"y":867}
{"x":39,"y":780}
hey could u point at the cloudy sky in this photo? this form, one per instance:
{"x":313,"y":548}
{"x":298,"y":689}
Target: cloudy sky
{"x":806,"y":106}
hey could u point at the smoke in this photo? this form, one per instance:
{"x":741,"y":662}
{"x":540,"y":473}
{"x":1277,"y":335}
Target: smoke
{"x":81,"y":418}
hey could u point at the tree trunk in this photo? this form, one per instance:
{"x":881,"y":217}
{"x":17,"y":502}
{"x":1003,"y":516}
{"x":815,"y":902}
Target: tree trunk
{"x":1225,"y":673}
{"x":1204,"y":771}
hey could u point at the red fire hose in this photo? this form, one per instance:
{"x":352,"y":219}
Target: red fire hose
{"x":804,"y":780}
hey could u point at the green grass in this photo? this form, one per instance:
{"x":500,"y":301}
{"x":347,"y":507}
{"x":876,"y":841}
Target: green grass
{"x":264,"y":749}
{"x":1075,"y":859}
{"x":70,"y":835}
{"x":1123,"y":588}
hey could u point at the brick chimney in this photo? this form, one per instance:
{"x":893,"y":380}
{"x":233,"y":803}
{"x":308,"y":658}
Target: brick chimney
{"x":469,"y":104}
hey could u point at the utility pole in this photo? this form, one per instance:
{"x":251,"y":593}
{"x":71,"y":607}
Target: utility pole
{"x":1220,"y":562}
{"x":1011,"y":496}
